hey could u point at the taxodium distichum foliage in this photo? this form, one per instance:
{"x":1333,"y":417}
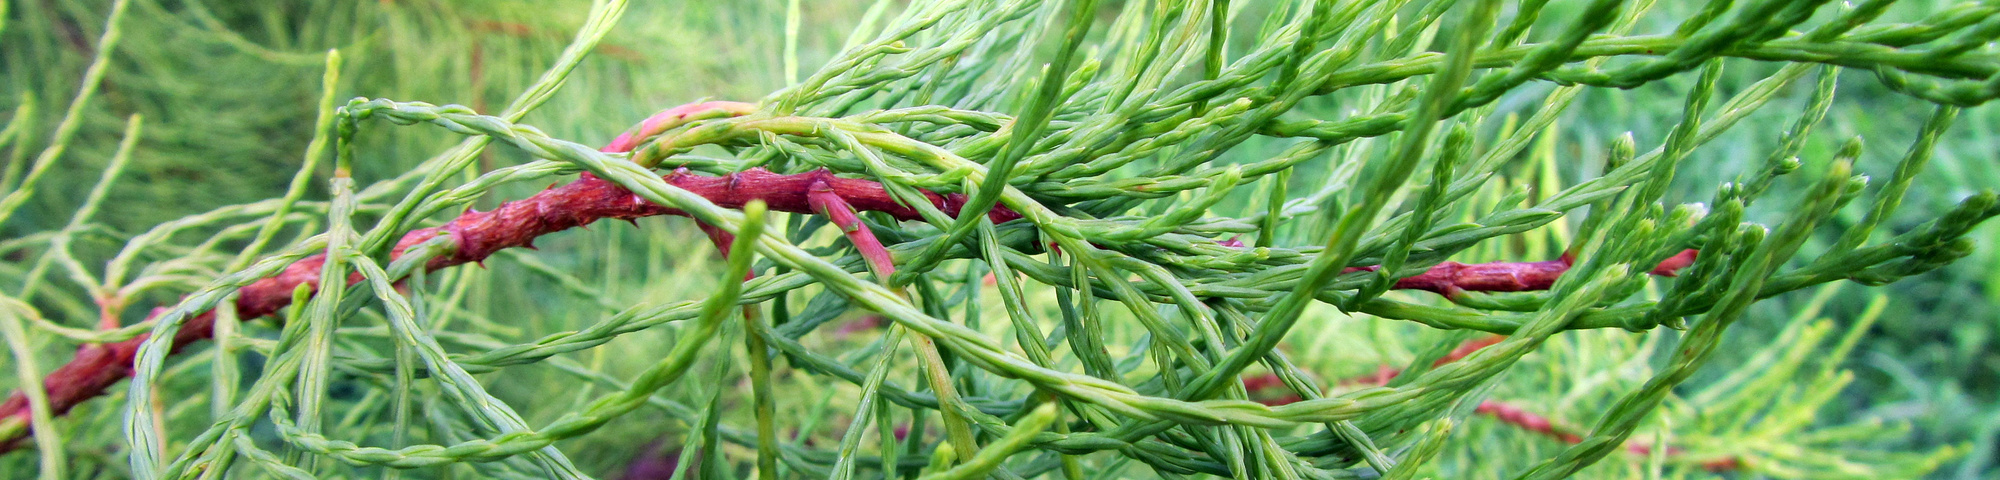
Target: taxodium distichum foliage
{"x":1040,"y":239}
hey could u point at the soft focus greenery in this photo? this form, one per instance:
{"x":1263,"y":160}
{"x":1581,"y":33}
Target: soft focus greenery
{"x":1397,"y":133}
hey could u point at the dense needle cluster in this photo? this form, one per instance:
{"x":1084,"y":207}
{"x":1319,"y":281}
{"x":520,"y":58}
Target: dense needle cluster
{"x":1105,"y":186}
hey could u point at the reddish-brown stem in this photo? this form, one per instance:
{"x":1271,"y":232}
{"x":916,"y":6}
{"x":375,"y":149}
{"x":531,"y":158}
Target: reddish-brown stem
{"x":829,"y":203}
{"x":1384,"y":373}
{"x":716,"y":236}
{"x":477,"y":235}
{"x":96,"y":368}
{"x":1514,"y":415}
{"x":859,"y":325}
{"x":1450,"y":278}
{"x":108,"y":310}
{"x":674,"y":117}
{"x":722,"y":239}
{"x":1266,"y":386}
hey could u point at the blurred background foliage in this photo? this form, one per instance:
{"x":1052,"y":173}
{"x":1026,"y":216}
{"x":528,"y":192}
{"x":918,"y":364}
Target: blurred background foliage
{"x":227,"y":89}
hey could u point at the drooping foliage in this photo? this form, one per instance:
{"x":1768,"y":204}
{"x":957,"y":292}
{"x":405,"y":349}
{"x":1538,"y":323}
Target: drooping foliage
{"x":1007,"y":238}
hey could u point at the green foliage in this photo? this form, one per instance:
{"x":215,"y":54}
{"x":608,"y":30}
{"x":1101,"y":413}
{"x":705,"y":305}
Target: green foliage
{"x":1133,"y":138}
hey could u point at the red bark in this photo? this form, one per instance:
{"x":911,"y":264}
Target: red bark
{"x":479,"y":234}
{"x":1510,"y":414}
{"x":828,"y":202}
{"x":1449,"y":278}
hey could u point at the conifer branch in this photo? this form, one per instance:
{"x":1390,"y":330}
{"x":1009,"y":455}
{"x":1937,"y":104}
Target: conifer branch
{"x":477,"y":235}
{"x":1266,"y":386}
